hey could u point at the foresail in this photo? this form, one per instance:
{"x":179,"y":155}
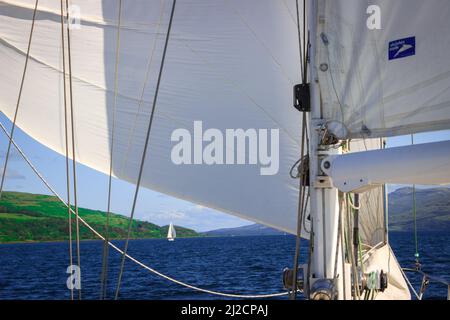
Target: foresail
{"x":230,"y":64}
{"x":388,"y":81}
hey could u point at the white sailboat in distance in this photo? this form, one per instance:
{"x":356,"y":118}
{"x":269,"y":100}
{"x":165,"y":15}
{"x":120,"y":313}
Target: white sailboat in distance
{"x":171,"y":234}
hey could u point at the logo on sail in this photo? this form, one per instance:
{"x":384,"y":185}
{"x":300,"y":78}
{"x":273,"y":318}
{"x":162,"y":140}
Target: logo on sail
{"x":402,"y":48}
{"x":232,"y":147}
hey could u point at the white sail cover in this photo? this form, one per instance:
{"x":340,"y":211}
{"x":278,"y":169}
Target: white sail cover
{"x":389,"y":81}
{"x":230,"y":64}
{"x":383,"y":258}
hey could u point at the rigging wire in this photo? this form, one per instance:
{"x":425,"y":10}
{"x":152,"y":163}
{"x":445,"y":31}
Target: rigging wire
{"x":299,"y":40}
{"x":141,"y":264}
{"x":66,"y":136}
{"x":302,"y":191}
{"x":385,"y":202}
{"x":303,"y":174}
{"x":342,"y":244}
{"x":74,"y":163}
{"x":104,"y":274}
{"x":27,"y":58}
{"x":414,"y":212}
{"x":336,"y":257}
{"x":144,"y":153}
{"x":410,"y":285}
{"x":351,"y":257}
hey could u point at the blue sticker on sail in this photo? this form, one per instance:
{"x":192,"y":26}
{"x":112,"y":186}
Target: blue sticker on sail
{"x":402,"y":48}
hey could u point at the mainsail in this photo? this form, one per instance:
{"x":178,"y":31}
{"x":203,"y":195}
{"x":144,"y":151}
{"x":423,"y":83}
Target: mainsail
{"x":388,"y":81}
{"x":230,"y":64}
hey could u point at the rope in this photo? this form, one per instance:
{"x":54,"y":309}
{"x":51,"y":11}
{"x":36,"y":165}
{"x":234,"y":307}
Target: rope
{"x":141,"y":264}
{"x":336,"y":257}
{"x":301,"y":171}
{"x":18,"y":98}
{"x":342,"y":243}
{"x":410,"y":285}
{"x":351,"y":257}
{"x":69,"y":215}
{"x":350,"y":202}
{"x":416,"y":242}
{"x":104,"y":275}
{"x":302,"y":191}
{"x":74,"y":162}
{"x":300,"y":40}
{"x":144,"y":153}
{"x":386,"y":203}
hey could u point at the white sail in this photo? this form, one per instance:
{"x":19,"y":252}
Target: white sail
{"x":230,"y":64}
{"x":388,"y":81}
{"x":171,"y":233}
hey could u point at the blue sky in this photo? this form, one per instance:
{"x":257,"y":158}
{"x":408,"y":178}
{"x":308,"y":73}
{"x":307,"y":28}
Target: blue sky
{"x":92,"y":185}
{"x":92,"y":188}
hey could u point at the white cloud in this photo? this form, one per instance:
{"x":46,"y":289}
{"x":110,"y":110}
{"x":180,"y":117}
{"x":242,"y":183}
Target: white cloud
{"x":12,"y":174}
{"x":164,"y":215}
{"x":195,"y":217}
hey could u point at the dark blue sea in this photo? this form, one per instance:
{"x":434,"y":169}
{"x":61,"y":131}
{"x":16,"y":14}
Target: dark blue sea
{"x":246,"y":265}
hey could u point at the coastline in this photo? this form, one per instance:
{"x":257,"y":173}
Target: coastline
{"x":90,"y":240}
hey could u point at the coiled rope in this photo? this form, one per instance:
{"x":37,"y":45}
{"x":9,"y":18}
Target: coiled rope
{"x":141,"y":264}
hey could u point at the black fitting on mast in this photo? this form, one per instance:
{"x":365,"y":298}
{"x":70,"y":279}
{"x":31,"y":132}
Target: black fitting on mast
{"x":302,"y":98}
{"x":356,"y":227}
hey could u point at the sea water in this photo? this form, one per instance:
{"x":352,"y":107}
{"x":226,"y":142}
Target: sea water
{"x":243,"y":265}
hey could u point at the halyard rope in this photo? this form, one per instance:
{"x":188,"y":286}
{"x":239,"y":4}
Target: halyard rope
{"x":104,"y":275}
{"x":69,"y":214}
{"x":301,"y":172}
{"x":11,"y":135}
{"x":181,"y":283}
{"x":74,"y":162}
{"x":414,"y":211}
{"x":144,"y":153}
{"x":301,"y":210}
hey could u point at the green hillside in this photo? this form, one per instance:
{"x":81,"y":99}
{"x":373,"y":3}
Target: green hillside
{"x":34,"y":217}
{"x":432,"y":206}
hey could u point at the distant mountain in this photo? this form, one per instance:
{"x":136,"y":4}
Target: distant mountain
{"x":250,"y":230}
{"x":432,"y":206}
{"x":35,"y":217}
